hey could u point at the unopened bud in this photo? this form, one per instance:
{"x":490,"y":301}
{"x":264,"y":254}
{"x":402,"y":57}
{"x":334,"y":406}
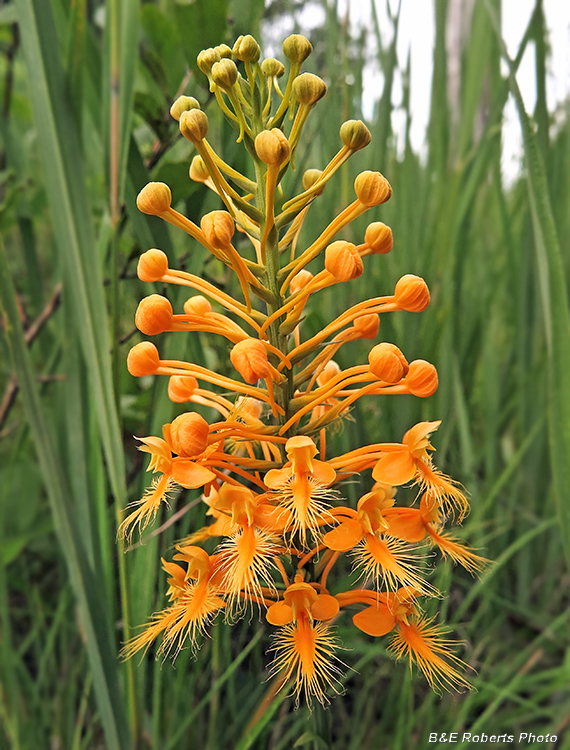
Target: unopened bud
{"x":297,"y":48}
{"x":183,"y":104}
{"x":206,"y":59}
{"x":225,"y":73}
{"x":343,"y":261}
{"x":143,"y":359}
{"x":249,"y":357}
{"x":223,"y":50}
{"x":379,"y":238}
{"x":309,"y":88}
{"x":412,"y":293}
{"x":247,"y":49}
{"x":354,"y":134}
{"x":367,"y":325}
{"x":421,"y":379}
{"x":154,"y":199}
{"x":271,"y":67}
{"x":153,"y":315}
{"x":329,"y":371}
{"x":310,"y":177}
{"x":194,"y":125}
{"x":372,"y":188}
{"x":197,"y":305}
{"x":153,"y":265}
{"x":272,"y":147}
{"x":181,"y":388}
{"x":218,"y":228}
{"x":300,"y":281}
{"x":189,"y":434}
{"x":198,"y":170}
{"x":387,"y":363}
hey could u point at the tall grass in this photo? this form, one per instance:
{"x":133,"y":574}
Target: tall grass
{"x":83,"y":128}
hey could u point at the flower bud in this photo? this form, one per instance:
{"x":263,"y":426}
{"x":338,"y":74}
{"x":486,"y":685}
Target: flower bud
{"x":329,"y":371}
{"x":194,"y":125}
{"x":271,"y":67}
{"x":421,"y":379}
{"x":310,"y":177}
{"x":354,"y":134}
{"x":272,"y":147}
{"x":206,"y":59}
{"x":343,"y":261}
{"x":367,"y":325}
{"x":197,"y":305}
{"x":181,"y":388}
{"x":223,"y":50}
{"x":154,"y":199}
{"x":247,"y":49}
{"x":387,"y":363}
{"x":300,"y":280}
{"x":224,"y":73}
{"x":412,"y":293}
{"x":198,"y":170}
{"x":189,"y":434}
{"x":309,"y":88}
{"x":297,"y":48}
{"x":372,"y":188}
{"x":218,"y":228}
{"x":249,"y":357}
{"x":183,"y":104}
{"x":153,"y":315}
{"x":378,"y":237}
{"x":153,"y":265}
{"x":143,"y":359}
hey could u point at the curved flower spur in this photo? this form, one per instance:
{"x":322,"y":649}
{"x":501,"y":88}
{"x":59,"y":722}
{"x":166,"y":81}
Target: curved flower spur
{"x":269,"y":482}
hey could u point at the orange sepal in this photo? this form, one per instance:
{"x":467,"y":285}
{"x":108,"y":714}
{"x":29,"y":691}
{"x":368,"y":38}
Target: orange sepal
{"x":325,"y":608}
{"x":279,"y":614}
{"x":375,"y":621}
{"x":276,"y":478}
{"x":395,"y":468}
{"x":271,"y":517}
{"x":323,"y":472}
{"x":405,"y":523}
{"x":345,"y":536}
{"x":190,"y":474}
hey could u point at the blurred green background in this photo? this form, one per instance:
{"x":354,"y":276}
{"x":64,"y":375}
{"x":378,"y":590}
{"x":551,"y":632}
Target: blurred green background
{"x":85,"y":88}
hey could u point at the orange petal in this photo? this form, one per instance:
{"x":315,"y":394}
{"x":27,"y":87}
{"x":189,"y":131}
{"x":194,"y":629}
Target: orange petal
{"x":375,"y":621}
{"x":190,"y":474}
{"x":405,"y":523}
{"x":325,"y":608}
{"x":271,"y":517}
{"x":279,"y":614}
{"x":276,"y":478}
{"x":323,"y":472}
{"x":395,"y":468}
{"x":344,"y":537}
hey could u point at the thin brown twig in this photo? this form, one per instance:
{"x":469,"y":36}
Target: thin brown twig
{"x":30,"y":335}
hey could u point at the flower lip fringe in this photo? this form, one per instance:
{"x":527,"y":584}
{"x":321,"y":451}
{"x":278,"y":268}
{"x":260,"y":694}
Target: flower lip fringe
{"x":261,"y":460}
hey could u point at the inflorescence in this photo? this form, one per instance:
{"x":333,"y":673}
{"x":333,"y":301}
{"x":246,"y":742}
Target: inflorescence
{"x":274,"y":493}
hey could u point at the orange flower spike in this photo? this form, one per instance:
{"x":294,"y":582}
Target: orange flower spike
{"x":304,"y":649}
{"x":301,"y":487}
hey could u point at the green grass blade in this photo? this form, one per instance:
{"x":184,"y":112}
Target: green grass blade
{"x":554,"y":297}
{"x":92,"y":611}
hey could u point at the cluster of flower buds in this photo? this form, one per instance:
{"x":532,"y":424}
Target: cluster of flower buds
{"x":273,"y":492}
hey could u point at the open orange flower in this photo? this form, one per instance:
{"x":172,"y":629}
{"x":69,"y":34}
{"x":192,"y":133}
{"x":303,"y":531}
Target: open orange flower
{"x":411,"y":462}
{"x":302,"y":487}
{"x":305,"y":646}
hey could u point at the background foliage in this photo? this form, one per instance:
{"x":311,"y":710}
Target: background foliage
{"x":85,"y":91}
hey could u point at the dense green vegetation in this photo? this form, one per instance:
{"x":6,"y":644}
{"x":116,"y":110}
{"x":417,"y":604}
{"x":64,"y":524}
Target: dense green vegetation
{"x":85,"y":92}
